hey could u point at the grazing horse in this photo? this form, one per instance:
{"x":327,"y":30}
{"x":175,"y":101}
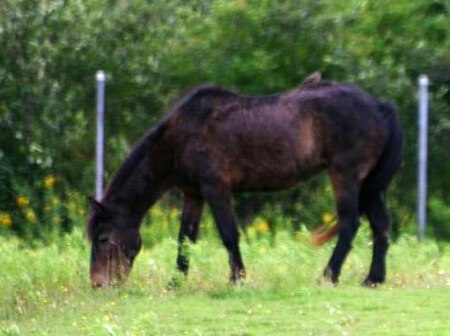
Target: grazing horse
{"x":215,"y":142}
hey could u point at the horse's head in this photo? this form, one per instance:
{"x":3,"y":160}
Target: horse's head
{"x":114,"y":245}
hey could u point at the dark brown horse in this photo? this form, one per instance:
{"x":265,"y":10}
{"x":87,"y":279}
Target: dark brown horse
{"x":215,"y":142}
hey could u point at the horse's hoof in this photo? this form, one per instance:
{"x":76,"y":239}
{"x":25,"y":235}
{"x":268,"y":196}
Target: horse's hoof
{"x":330,"y":276}
{"x":372,"y":283}
{"x":238,"y":282}
{"x":238,"y":279}
{"x":369,"y":284}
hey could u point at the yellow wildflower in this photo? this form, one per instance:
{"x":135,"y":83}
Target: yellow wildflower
{"x":30,"y":215}
{"x":21,"y":200}
{"x":262,"y":226}
{"x":174,"y":212}
{"x":328,"y":218}
{"x":5,"y":219}
{"x":49,"y":181}
{"x":156,"y":211}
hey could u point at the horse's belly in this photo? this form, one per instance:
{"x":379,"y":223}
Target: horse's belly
{"x":277,"y":177}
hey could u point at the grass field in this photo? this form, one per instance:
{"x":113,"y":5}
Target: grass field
{"x":45,"y":291}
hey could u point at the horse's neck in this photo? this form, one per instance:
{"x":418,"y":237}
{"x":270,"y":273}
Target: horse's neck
{"x":138,"y":192}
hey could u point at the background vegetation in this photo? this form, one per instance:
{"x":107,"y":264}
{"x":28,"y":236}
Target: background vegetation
{"x":152,"y":51}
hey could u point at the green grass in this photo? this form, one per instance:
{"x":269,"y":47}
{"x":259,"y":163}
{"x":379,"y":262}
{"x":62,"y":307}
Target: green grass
{"x":45,"y":291}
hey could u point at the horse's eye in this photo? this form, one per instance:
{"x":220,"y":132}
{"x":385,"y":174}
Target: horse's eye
{"x":103,"y":239}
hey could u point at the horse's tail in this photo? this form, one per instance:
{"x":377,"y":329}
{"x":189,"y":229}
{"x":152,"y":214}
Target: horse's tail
{"x":391,"y":155}
{"x":378,"y":179}
{"x":325,"y":232}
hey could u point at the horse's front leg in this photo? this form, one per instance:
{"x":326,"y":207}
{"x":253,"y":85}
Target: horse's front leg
{"x":346,"y":192}
{"x":190,"y":219}
{"x":219,"y":199}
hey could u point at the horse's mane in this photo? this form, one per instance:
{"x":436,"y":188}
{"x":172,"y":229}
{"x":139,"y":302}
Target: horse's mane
{"x":145,"y":144}
{"x":135,"y":156}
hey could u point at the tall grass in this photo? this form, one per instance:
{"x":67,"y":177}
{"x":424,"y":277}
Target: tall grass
{"x":54,"y":277}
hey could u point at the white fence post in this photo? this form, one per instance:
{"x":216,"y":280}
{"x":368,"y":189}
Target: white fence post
{"x":422,"y":156}
{"x":99,"y":143}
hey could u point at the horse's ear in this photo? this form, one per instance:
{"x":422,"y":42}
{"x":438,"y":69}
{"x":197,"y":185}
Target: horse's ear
{"x":96,"y":205}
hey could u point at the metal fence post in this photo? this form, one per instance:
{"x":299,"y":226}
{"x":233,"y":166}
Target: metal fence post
{"x":99,"y":143}
{"x":423,"y":83}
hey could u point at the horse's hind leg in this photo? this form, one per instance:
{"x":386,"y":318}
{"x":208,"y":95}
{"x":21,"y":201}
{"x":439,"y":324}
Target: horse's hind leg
{"x":346,"y":190}
{"x":219,"y":199}
{"x":190,"y":218}
{"x":375,"y":209}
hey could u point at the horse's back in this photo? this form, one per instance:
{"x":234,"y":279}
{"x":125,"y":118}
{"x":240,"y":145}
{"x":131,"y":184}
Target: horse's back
{"x":272,"y":142}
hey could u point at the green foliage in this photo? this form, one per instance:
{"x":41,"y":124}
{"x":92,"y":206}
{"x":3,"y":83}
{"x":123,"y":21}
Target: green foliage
{"x":439,"y":217}
{"x":152,"y":51}
{"x":43,"y":210}
{"x":384,"y":47}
